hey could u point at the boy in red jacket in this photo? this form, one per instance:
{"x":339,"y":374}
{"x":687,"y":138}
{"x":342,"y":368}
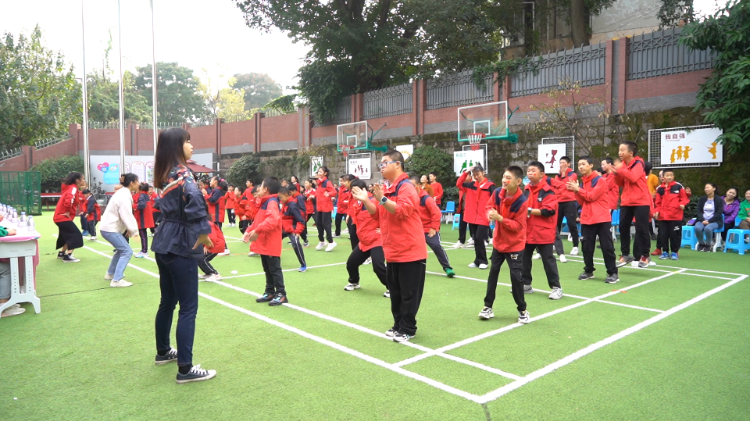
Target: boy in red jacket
{"x":370,"y":245}
{"x":477,"y":193}
{"x":566,"y":207}
{"x":671,"y":200}
{"x":324,"y":195}
{"x":293,"y":221}
{"x":507,"y":207}
{"x":541,"y":229}
{"x":635,"y":203}
{"x":93,"y":213}
{"x":593,"y":195}
{"x":210,"y":274}
{"x":144,"y":214}
{"x":230,"y":204}
{"x":265,"y":234}
{"x":437,"y":188}
{"x":430,"y":214}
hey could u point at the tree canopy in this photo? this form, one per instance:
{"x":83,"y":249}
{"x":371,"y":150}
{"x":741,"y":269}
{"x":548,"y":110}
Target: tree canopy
{"x":259,"y":88}
{"x":177,"y":89}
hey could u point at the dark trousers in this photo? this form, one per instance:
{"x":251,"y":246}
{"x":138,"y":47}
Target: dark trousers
{"x":462,"y":229}
{"x":231,"y":217}
{"x":297,"y":247}
{"x":642,"y":243}
{"x":178,"y":282}
{"x":406,"y":284}
{"x":516,"y":278}
{"x":219,"y":224}
{"x":358,"y":257}
{"x":548,"y":261}
{"x":481,"y":233}
{"x":304,"y":231}
{"x":157,"y":221}
{"x":352,"y":233}
{"x":569,"y":210}
{"x":143,"y":233}
{"x":437,"y":248}
{"x":339,"y":217}
{"x":589,"y":245}
{"x":84,"y":224}
{"x":274,"y":275}
{"x":670,"y":233}
{"x":92,"y":228}
{"x":323,"y":224}
{"x":205,"y":264}
{"x":243,"y":226}
{"x":728,"y":225}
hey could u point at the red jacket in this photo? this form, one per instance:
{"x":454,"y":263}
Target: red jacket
{"x":477,"y":196}
{"x":239,"y":209}
{"x":563,"y":194}
{"x":292,"y":216}
{"x":310,"y":201}
{"x":154,"y":199}
{"x":267,"y":224}
{"x":429,"y":212}
{"x":403,"y":238}
{"x":541,"y":229}
{"x":93,"y":211}
{"x":216,"y":201}
{"x":342,"y":204}
{"x":669,"y":197}
{"x":613,"y":193}
{"x":67,"y":206}
{"x":323,"y":202}
{"x":594,"y":200}
{"x":298,"y":187}
{"x":217,"y":238}
{"x":230,"y":200}
{"x":510,"y":234}
{"x":632,"y":178}
{"x":143,"y":209}
{"x":366,"y":224}
{"x":437,"y":188}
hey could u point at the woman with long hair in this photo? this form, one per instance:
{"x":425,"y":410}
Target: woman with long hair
{"x":118,"y":222}
{"x":69,"y":237}
{"x":731,"y":210}
{"x":295,"y":182}
{"x":177,"y":245}
{"x":710,"y":217}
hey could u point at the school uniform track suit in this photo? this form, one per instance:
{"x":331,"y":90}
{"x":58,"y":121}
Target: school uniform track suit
{"x":267,"y":224}
{"x":342,"y":207}
{"x":430,"y":215}
{"x":145,"y":216}
{"x":216,"y":202}
{"x":93,"y":214}
{"x":370,"y":243}
{"x":508,"y":244}
{"x":541,"y":231}
{"x":406,"y":253}
{"x":292,"y":225}
{"x":219,"y":245}
{"x":309,"y":197}
{"x":593,"y":195}
{"x":477,"y":195}
{"x":567,"y":208}
{"x":669,"y":197}
{"x":230,"y":203}
{"x":325,"y":207}
{"x":635,"y":203}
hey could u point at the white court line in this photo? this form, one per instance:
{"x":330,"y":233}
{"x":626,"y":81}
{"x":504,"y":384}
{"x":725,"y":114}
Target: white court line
{"x":495,"y":394}
{"x":515,"y":325}
{"x":673,"y":267}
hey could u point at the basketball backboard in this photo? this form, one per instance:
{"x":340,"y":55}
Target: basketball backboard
{"x":489,"y":119}
{"x":354,"y":135}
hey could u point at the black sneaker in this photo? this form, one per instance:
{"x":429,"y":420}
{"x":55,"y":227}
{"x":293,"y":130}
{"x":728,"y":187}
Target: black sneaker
{"x":401,"y":337}
{"x":166,"y":359}
{"x":612,"y":279}
{"x":278,"y":300}
{"x":391,"y":332}
{"x":264,"y":298}
{"x":196,"y":374}
{"x":60,"y":255}
{"x":585,"y":275}
{"x":68,"y":258}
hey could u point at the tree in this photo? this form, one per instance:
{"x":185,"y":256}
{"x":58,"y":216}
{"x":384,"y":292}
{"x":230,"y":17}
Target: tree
{"x":243,"y":169}
{"x":259,"y":88}
{"x":177,"y":89}
{"x":39,"y":96}
{"x":672,"y":12}
{"x":725,"y":97}
{"x":426,"y":160}
{"x":226,"y":103}
{"x":54,"y":170}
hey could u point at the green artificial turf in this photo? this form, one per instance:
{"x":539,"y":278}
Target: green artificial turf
{"x":88,"y":354}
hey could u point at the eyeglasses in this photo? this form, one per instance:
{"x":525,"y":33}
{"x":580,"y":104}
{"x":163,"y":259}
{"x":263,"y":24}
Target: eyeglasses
{"x":385,"y":164}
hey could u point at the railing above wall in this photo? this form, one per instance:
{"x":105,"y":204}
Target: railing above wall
{"x":10,"y":153}
{"x":44,"y":143}
{"x":343,"y":114}
{"x":457,"y":89}
{"x":659,"y":54}
{"x":389,"y":101}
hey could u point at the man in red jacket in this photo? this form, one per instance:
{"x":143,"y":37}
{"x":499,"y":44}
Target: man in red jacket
{"x":635,"y":203}
{"x":430,"y":215}
{"x":507,"y":207}
{"x":541,"y":229}
{"x":671,"y":200}
{"x":613,"y":190}
{"x":566,"y":207}
{"x":595,"y":219}
{"x":437,"y":188}
{"x":477,"y":194}
{"x":403,"y":243}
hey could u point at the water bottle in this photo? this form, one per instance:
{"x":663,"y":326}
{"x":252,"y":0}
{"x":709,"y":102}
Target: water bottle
{"x":22,"y":220}
{"x":31,"y":224}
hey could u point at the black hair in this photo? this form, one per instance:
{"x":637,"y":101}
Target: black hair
{"x":85,"y":191}
{"x":128,"y":179}
{"x":608,"y":160}
{"x":222,"y":183}
{"x":565,"y":158}
{"x":537,"y":164}
{"x":312,"y":183}
{"x":169,"y":152}
{"x":326,"y":171}
{"x":648,"y":166}
{"x":348,"y":177}
{"x":515,"y":170}
{"x":735,"y":189}
{"x":285,"y":191}
{"x":588,"y":159}
{"x":632,"y":147}
{"x":359,"y":183}
{"x":272,"y":184}
{"x":254,"y":190}
{"x":432,"y":173}
{"x":715,"y":188}
{"x":668,"y":170}
{"x":478,"y":167}
{"x":143,"y":187}
{"x":395,"y":155}
{"x":296,"y":179}
{"x":415,"y":178}
{"x":72,"y":178}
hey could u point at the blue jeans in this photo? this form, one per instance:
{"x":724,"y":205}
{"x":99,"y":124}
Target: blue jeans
{"x":178,"y":281}
{"x":705,"y":233}
{"x":122,"y":256}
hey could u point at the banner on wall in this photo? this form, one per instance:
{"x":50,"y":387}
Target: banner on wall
{"x":463,"y":160}
{"x":315,"y":163}
{"x":406,"y":151}
{"x":360,"y":165}
{"x":698,"y":146}
{"x":105,"y":169}
{"x":549,"y":155}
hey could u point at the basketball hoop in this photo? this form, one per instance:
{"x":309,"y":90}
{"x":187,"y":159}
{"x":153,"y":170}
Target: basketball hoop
{"x":475,"y":140}
{"x":345,"y":150}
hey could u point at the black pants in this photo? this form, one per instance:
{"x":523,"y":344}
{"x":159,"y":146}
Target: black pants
{"x":569,"y":210}
{"x":323,"y":223}
{"x":642,"y":243}
{"x":297,"y":247}
{"x":339,"y":217}
{"x":157,"y":221}
{"x":548,"y":261}
{"x":243,"y":226}
{"x":358,"y":257}
{"x":437,"y":248}
{"x":143,"y":233}
{"x":462,"y":229}
{"x":219,"y":224}
{"x":728,"y":225}
{"x":205,"y":264}
{"x":92,"y":228}
{"x":274,"y":275}
{"x":304,"y":231}
{"x":84,"y":224}
{"x":352,"y":233}
{"x":670,"y":233}
{"x":406,"y":284}
{"x":516,"y":278}
{"x":589,"y":245}
{"x":481,"y":233}
{"x":231,"y":217}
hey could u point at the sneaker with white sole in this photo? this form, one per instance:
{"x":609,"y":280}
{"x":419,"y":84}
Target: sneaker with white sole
{"x":120,"y":284}
{"x":167,"y":358}
{"x":527,"y":289}
{"x":201,"y":276}
{"x":556,"y":294}
{"x":470,"y":242}
{"x":140,"y":255}
{"x":473,"y":265}
{"x":585,"y":275}
{"x":8,"y":312}
{"x":92,"y":238}
{"x":458,"y":245}
{"x":351,"y":287}
{"x":486,"y":313}
{"x":536,"y":256}
{"x":368,"y":261}
{"x":321,"y":245}
{"x":574,"y":251}
{"x":252,"y":254}
{"x":225,"y":253}
{"x":402,"y":337}
{"x":483,"y":266}
{"x":68,"y":258}
{"x":524,"y":317}
{"x":387,"y":294}
{"x":563,"y":259}
{"x":217,"y":277}
{"x":390,"y":333}
{"x":108,"y":277}
{"x":209,"y":278}
{"x":196,"y":374}
{"x":331,"y":246}
{"x":612,"y":279}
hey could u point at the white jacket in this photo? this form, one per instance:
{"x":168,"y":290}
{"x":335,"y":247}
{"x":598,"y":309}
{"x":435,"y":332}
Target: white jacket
{"x":118,"y":216}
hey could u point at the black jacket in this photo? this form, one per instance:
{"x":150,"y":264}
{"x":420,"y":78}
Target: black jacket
{"x":718,"y":211}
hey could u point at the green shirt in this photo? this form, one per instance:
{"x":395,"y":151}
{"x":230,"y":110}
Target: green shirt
{"x":3,"y":231}
{"x":744,"y":210}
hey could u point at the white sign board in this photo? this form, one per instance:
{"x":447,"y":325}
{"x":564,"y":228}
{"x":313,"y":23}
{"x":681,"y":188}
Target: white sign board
{"x":697,"y":146}
{"x":360,"y":165}
{"x":315,"y":163}
{"x":463,"y":160}
{"x":105,"y":169}
{"x":549,"y":155}
{"x":406,"y":151}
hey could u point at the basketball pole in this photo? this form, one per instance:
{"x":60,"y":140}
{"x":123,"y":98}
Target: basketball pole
{"x":122,"y":101}
{"x":86,"y":152}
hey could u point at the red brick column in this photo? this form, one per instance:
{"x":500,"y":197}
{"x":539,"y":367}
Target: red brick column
{"x":623,"y":74}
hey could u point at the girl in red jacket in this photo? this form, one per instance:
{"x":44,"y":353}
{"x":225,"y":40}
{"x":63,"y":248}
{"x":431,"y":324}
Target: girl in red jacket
{"x":230,"y":205}
{"x":671,"y":200}
{"x":210,"y":274}
{"x":370,"y":244}
{"x":93,"y":213}
{"x":309,"y":193}
{"x":293,"y":221}
{"x":477,"y":192}
{"x":430,"y":214}
{"x":324,"y":195}
{"x":69,"y":237}
{"x":144,"y":214}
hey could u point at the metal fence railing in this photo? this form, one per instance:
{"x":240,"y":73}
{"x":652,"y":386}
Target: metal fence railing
{"x":659,"y":54}
{"x":343,"y":114}
{"x":10,"y":153}
{"x":457,"y":89}
{"x":161,"y":125}
{"x":44,"y":143}
{"x":22,"y":190}
{"x":389,"y":101}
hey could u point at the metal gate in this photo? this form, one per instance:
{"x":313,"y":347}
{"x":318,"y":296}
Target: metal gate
{"x":21,"y":189}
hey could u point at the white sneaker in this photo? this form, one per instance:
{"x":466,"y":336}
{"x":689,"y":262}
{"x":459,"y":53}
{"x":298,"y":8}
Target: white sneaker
{"x":321,"y":245}
{"x":92,"y":239}
{"x":470,"y":242}
{"x":344,"y":232}
{"x":120,"y":284}
{"x":458,"y":245}
{"x":563,"y":259}
{"x":209,"y":278}
{"x":140,"y":255}
{"x":574,"y":251}
{"x":486,"y":313}
{"x":201,"y":276}
{"x":217,"y":277}
{"x":351,"y":287}
{"x":472,"y":265}
{"x":108,"y":277}
{"x":387,"y":294}
{"x":482,"y":266}
{"x":536,"y":256}
{"x":524,"y":317}
{"x":556,"y":294}
{"x":251,"y":254}
{"x":368,"y":261}
{"x":331,"y":246}
{"x":225,"y":253}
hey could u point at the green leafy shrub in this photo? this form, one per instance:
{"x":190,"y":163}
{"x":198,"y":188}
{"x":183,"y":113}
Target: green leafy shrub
{"x":54,"y":170}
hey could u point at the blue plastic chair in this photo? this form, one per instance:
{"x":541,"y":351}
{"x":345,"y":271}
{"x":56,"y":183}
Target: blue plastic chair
{"x":615,"y":223}
{"x":688,"y":237}
{"x":450,"y":209}
{"x":736,"y":238}
{"x":456,"y":221}
{"x":564,"y":228}
{"x":333,"y":214}
{"x":717,"y":235}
